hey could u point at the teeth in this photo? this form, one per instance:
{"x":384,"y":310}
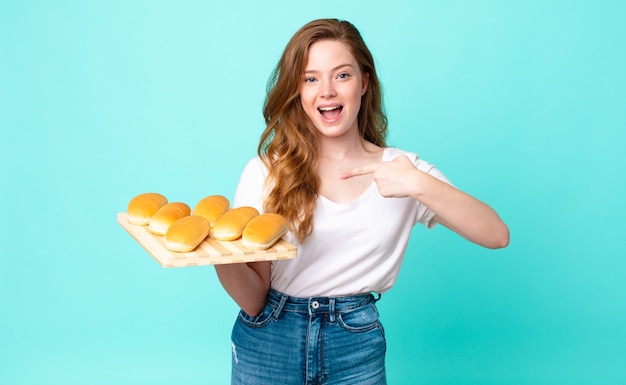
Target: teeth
{"x":329,"y":108}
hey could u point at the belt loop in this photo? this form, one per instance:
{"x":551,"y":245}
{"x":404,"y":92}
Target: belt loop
{"x":377,"y":299}
{"x":279,"y":307}
{"x":331,"y":309}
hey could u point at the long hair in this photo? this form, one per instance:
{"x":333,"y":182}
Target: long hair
{"x":288,"y":144}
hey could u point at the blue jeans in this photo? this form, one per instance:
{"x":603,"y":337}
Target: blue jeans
{"x":295,"y":341}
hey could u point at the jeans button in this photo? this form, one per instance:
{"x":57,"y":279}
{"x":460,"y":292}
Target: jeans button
{"x":315,"y":304}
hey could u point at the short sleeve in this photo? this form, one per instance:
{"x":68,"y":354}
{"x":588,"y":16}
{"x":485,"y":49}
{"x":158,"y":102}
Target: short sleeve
{"x":250,"y":189}
{"x":424,"y":214}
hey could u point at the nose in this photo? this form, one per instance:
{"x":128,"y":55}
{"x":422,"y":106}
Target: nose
{"x":328,"y":90}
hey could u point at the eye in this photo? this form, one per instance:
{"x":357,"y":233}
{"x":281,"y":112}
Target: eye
{"x":309,"y":79}
{"x":343,"y":75}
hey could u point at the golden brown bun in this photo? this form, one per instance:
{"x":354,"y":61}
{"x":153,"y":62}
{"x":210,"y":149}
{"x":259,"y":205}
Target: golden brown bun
{"x":142,"y":207}
{"x":263,"y":231}
{"x":230,"y":225}
{"x":187,"y":233}
{"x":167,"y":215}
{"x":212,"y":207}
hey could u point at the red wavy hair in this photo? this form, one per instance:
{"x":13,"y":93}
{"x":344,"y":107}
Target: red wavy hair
{"x":288,"y":145}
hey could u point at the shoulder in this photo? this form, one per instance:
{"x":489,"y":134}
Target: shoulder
{"x":253,"y":175}
{"x":255,"y":165}
{"x":390,"y":153}
{"x":250,"y":188}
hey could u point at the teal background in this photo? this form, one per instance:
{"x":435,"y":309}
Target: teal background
{"x":520,"y":103}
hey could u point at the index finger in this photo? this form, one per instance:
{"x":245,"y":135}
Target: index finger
{"x":370,"y":168}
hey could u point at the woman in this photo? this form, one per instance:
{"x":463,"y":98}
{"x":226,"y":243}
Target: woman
{"x":351,"y":202}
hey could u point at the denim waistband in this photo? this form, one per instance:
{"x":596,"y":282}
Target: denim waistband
{"x":317,"y":305}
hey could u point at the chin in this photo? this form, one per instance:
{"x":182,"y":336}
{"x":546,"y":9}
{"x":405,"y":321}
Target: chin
{"x":331,"y":133}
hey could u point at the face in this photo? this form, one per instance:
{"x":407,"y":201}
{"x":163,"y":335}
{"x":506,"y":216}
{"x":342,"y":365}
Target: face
{"x":331,"y":90}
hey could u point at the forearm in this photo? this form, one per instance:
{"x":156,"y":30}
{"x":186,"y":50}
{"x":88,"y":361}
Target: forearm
{"x":460,"y":212}
{"x":247,"y":284}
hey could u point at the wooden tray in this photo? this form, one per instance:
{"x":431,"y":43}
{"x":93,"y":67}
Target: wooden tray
{"x":209,"y":252}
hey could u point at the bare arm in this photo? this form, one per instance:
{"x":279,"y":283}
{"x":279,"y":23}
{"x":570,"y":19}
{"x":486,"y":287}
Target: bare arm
{"x":247,"y":283}
{"x":462,"y":213}
{"x":458,"y":211}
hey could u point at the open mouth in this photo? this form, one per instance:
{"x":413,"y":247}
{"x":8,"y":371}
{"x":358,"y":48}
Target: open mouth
{"x":330,"y":112}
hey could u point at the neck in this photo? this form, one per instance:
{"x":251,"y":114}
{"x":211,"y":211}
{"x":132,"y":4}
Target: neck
{"x":340,"y":148}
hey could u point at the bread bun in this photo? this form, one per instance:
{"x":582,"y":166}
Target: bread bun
{"x":263,"y":231}
{"x":167,"y":214}
{"x":187,"y":233}
{"x":229,"y":226}
{"x":142,"y":207}
{"x":212,"y":207}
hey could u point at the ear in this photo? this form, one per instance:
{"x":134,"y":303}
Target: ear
{"x":366,"y":80}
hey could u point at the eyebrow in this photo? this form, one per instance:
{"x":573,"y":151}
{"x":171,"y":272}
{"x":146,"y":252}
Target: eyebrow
{"x":333,"y":69}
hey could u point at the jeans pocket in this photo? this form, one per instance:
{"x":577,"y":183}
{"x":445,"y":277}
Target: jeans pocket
{"x":361,"y":319}
{"x":259,"y":320}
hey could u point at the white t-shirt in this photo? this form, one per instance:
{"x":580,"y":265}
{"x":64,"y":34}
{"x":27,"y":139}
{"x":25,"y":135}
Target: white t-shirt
{"x":356,"y":247}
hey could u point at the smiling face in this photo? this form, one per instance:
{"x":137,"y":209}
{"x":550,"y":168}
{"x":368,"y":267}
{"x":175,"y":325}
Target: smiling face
{"x":332,"y":87}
